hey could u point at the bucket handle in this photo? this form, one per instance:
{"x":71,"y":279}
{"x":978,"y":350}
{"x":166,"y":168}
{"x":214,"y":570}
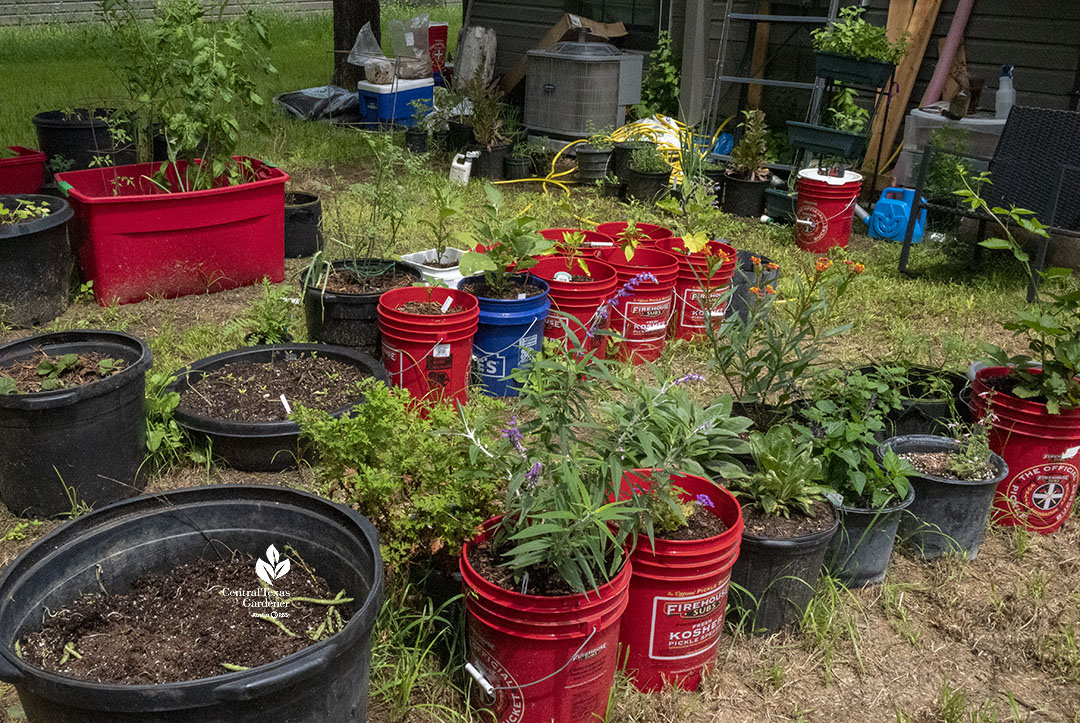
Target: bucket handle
{"x":489,"y":689}
{"x":247,"y":689}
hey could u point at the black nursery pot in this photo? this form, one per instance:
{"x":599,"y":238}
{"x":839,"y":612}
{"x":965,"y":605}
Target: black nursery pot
{"x":79,"y":137}
{"x":745,"y":278}
{"x":593,"y":163}
{"x":860,"y":550}
{"x":260,"y":446}
{"x":89,"y":439}
{"x":110,"y":548}
{"x":621,"y":156}
{"x":459,"y":133}
{"x":927,"y":415}
{"x":516,"y":169}
{"x":35,"y":264}
{"x":647,"y":187}
{"x":490,"y":163}
{"x":744,"y":198}
{"x":948,"y":516}
{"x":350,"y":320}
{"x":773,"y":580}
{"x":416,"y":140}
{"x":303,"y":225}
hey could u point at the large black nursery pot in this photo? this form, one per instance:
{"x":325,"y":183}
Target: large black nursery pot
{"x":72,"y":140}
{"x":948,"y":516}
{"x":621,"y":154}
{"x":860,"y":551}
{"x":743,"y":198}
{"x":35,"y":263}
{"x":745,"y":278}
{"x":647,"y":186}
{"x":303,"y":225}
{"x":110,"y":548}
{"x":489,"y":164}
{"x":260,"y":446}
{"x":86,"y":442}
{"x":593,"y":163}
{"x":349,"y":320}
{"x":773,"y":580}
{"x":924,"y":413}
{"x":459,"y":133}
{"x":416,"y":140}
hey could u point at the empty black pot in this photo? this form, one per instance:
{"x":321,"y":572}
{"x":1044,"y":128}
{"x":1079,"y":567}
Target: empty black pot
{"x":35,"y":263}
{"x":260,"y":446}
{"x":350,"y":320}
{"x":303,"y":225}
{"x":87,"y":442}
{"x":947,"y":516}
{"x":773,"y":580}
{"x":860,"y":551}
{"x":110,"y":548}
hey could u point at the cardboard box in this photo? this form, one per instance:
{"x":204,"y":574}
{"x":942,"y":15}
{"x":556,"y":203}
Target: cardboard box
{"x":566,"y":28}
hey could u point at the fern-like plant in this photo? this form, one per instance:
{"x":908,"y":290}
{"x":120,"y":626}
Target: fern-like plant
{"x":748,"y":156}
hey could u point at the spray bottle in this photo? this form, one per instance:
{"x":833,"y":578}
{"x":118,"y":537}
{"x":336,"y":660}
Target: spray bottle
{"x":1006,"y":96}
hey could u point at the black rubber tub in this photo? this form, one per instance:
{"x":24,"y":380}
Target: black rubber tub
{"x":647,"y":187}
{"x":89,"y":439}
{"x":860,"y":551}
{"x":303,"y":225}
{"x":260,"y":446}
{"x":948,"y":516}
{"x":744,"y":198}
{"x":350,"y":320}
{"x":773,"y":580}
{"x":109,"y":548}
{"x":35,"y":263}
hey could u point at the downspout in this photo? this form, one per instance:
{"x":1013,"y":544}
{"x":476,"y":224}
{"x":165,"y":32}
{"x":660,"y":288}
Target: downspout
{"x":948,"y":52}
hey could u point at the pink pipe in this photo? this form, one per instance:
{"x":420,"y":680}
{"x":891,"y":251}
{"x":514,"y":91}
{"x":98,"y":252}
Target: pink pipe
{"x":948,"y":52}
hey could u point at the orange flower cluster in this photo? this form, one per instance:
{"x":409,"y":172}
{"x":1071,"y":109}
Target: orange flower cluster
{"x":773,"y":266}
{"x":756,"y":260}
{"x":762,"y":293}
{"x":855,"y":268}
{"x":823,"y":263}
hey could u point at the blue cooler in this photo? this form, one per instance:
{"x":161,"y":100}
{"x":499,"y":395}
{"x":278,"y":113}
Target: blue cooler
{"x":390,"y":103}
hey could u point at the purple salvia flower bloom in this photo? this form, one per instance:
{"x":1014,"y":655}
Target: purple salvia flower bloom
{"x":704,"y":501}
{"x":511,"y":433}
{"x":534,"y":473}
{"x":626,"y":291}
{"x":689,"y":378}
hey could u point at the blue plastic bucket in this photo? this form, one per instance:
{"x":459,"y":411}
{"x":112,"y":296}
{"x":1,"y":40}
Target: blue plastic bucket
{"x":510,"y":332}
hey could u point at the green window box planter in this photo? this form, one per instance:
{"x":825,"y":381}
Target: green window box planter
{"x":848,"y":69}
{"x":828,"y":141}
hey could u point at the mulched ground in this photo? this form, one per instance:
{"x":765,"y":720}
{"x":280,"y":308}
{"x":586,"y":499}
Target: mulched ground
{"x":28,"y":381}
{"x":251,"y":392}
{"x":179,"y":626}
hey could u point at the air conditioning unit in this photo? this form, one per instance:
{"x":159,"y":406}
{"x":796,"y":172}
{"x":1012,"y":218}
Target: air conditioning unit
{"x":572,"y":83}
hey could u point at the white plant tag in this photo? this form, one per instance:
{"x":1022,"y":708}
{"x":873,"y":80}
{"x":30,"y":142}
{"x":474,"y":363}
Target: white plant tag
{"x":441,"y":351}
{"x":563,"y":276}
{"x":446,"y":304}
{"x":285,"y":403}
{"x":521,"y":295}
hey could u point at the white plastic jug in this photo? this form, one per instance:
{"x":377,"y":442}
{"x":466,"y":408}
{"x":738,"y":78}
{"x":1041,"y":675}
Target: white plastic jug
{"x":461,"y":167}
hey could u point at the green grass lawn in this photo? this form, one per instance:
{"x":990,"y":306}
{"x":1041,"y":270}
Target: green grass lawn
{"x":962,"y":634}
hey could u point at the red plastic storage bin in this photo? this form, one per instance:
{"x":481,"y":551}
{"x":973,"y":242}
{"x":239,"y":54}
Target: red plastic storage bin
{"x":23,"y":173}
{"x":134,"y":239}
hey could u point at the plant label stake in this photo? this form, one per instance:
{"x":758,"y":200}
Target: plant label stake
{"x":446,"y":304}
{"x":285,"y":403}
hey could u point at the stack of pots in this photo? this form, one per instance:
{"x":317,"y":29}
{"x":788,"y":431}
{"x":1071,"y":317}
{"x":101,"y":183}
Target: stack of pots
{"x":642,"y":318}
{"x":1042,"y":451}
{"x":678,"y":593}
{"x":650,"y":231}
{"x":695,"y":282}
{"x":574,"y":303}
{"x":429,"y":354}
{"x":593,"y":239}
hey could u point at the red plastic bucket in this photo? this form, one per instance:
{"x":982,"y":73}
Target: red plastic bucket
{"x":436,"y":38}
{"x":694,"y":284}
{"x":678,"y":595}
{"x":574,"y":303}
{"x":650,"y":230}
{"x":517,"y":641}
{"x":593,"y":239}
{"x":642,"y":318}
{"x":23,"y":172}
{"x":428,"y":355}
{"x":828,"y":204}
{"x":1042,"y":451}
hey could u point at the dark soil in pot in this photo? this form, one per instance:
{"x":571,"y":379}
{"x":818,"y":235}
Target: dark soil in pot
{"x":744,"y":198}
{"x":345,"y":313}
{"x":185,"y":624}
{"x":249,"y":391}
{"x":35,"y":263}
{"x":948,"y":515}
{"x":541,"y":580}
{"x":234,"y":399}
{"x":63,"y":371}
{"x":479,"y":288}
{"x":303,"y":225}
{"x":86,"y":437}
{"x":774,"y":578}
{"x":699,"y":526}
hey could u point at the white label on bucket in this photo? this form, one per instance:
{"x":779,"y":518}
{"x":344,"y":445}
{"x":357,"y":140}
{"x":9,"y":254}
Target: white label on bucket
{"x":521,"y":295}
{"x":285,"y":403}
{"x":446,"y":304}
{"x":441,"y":351}
{"x":563,"y":276}
{"x":683,"y":627}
